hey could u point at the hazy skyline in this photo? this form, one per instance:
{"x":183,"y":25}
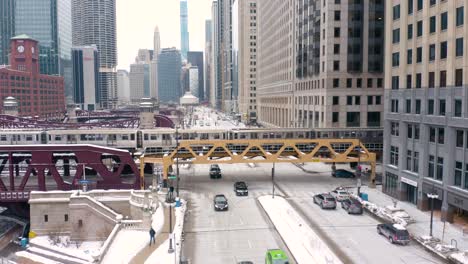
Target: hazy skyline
{"x":136,"y":20}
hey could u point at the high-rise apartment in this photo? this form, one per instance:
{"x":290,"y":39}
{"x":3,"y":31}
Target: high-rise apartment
{"x":123,"y":87}
{"x":207,"y":67}
{"x":139,"y":81}
{"x":49,"y":22}
{"x":85,"y":62}
{"x":425,"y":136}
{"x":169,"y":72}
{"x":184,"y":34}
{"x":195,"y":58}
{"x":228,"y":88}
{"x":154,"y":64}
{"x":215,"y":86}
{"x":94,"y":22}
{"x":193,"y":80}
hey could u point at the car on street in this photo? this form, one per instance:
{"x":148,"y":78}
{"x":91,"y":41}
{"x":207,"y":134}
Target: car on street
{"x":341,"y":173}
{"x":325,"y":201}
{"x":340,"y":194}
{"x":276,"y":256}
{"x":395,"y":233}
{"x":220,"y":202}
{"x":215,"y":171}
{"x":241,"y":189}
{"x":352,"y":206}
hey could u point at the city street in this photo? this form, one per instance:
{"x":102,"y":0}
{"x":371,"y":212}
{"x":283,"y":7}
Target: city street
{"x":244,"y":232}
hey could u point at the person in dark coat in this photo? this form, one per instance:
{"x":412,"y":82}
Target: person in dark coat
{"x":152,"y":234}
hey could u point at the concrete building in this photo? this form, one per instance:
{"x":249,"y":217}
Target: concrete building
{"x":195,"y":58}
{"x":228,"y":90}
{"x":37,"y":94}
{"x":193,"y":81}
{"x":245,"y":57}
{"x":184,"y":34}
{"x":48,"y":22}
{"x":94,"y":22}
{"x":207,"y":67}
{"x":139,"y":81}
{"x":154,"y":64}
{"x":169,"y":72}
{"x":215,"y":85}
{"x":85,"y":61}
{"x":425,"y":136}
{"x":319,"y":75}
{"x":123,"y":87}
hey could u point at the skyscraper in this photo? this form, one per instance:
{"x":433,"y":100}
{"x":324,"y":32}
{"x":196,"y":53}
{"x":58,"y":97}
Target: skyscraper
{"x":196,"y":59}
{"x":154,"y":64}
{"x":184,"y":34}
{"x":94,"y":23}
{"x":139,"y":81}
{"x":207,"y":66}
{"x":123,"y":87}
{"x":169,"y":71}
{"x":49,"y":22}
{"x":85,"y":77}
{"x":216,"y":85}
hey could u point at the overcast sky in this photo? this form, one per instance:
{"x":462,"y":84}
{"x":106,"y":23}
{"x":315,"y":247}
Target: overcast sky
{"x":136,"y":20}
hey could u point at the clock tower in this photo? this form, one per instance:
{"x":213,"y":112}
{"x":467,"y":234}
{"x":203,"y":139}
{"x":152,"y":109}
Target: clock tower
{"x":24,"y":54}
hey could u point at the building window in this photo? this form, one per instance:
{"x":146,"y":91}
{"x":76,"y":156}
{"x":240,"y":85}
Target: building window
{"x":420,"y":5}
{"x":415,"y":161}
{"x":409,"y":130}
{"x":432,"y":24}
{"x":396,"y":12}
{"x":395,"y":129}
{"x":353,"y":119}
{"x":409,"y":56}
{"x":370,"y":100}
{"x":458,"y":77}
{"x":432,"y":134}
{"x":379,"y":82}
{"x":460,"y":16}
{"x":409,"y":160}
{"x":419,"y":28}
{"x":418,"y":80}
{"x":396,"y":59}
{"x":409,"y":81}
{"x":349,"y":83}
{"x":65,"y":217}
{"x":336,"y":100}
{"x":443,"y":21}
{"x":441,"y":135}
{"x":430,"y":106}
{"x":410,"y":31}
{"x":459,"y":47}
{"x":46,"y":218}
{"x":369,"y":83}
{"x":458,"y":108}
{"x":396,"y":36}
{"x":394,"y":155}
{"x":358,"y":83}
{"x":419,"y":55}
{"x":418,"y":106}
{"x":459,"y":139}
{"x":442,"y":107}
{"x":458,"y":173}
{"x":394,"y":106}
{"x":349,"y":100}
{"x":337,"y":15}
{"x":440,"y":168}
{"x":357,"y":100}
{"x":443,"y":79}
{"x":335,"y":117}
{"x":416,"y":132}
{"x":391,"y":184}
{"x":410,"y":7}
{"x":443,"y":50}
{"x":466,"y":176}
{"x":431,"y":82}
{"x":337,"y":32}
{"x":373,"y":119}
{"x":378,"y":100}
{"x":432,"y":52}
{"x":336,"y":49}
{"x":395,"y":82}
{"x":431,"y":166}
{"x":336,"y":83}
{"x":408,"y":106}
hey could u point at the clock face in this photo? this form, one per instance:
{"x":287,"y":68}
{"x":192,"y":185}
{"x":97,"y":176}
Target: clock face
{"x":20,"y":49}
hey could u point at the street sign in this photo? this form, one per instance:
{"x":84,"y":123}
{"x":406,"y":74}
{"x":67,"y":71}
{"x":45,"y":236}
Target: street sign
{"x":172,"y":177}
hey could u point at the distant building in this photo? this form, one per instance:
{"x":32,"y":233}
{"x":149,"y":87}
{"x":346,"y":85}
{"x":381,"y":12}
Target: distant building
{"x":184,"y":34}
{"x":215,"y":85}
{"x":185,"y":78}
{"x":207,"y":61}
{"x":94,"y":22}
{"x":193,"y":81}
{"x":36,"y":94}
{"x":48,"y":22}
{"x":196,"y":59}
{"x":169,"y":72}
{"x":123,"y":87}
{"x":154,"y":64}
{"x":85,"y":62}
{"x":139,"y":81}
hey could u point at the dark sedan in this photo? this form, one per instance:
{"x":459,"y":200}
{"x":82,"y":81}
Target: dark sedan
{"x":340,"y":173}
{"x":352,"y":206}
{"x":220,"y":203}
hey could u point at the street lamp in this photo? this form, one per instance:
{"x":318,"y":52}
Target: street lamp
{"x":177,"y":161}
{"x":171,"y":249}
{"x":273,"y":180}
{"x":432,"y":196}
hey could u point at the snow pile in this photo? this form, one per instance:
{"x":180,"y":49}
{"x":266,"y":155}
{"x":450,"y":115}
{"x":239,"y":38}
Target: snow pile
{"x":157,"y":219}
{"x":62,"y":244}
{"x":161,"y":255}
{"x":56,"y":256}
{"x":305,"y":245}
{"x":393,"y":214}
{"x":461,"y":257}
{"x":35,"y":258}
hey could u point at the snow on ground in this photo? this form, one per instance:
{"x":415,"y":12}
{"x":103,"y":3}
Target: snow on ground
{"x":305,"y":245}
{"x":462,"y":257}
{"x":157,"y":219}
{"x":161,"y":255}
{"x":59,"y":256}
{"x":126,"y":245}
{"x":84,"y":250}
{"x":35,"y":258}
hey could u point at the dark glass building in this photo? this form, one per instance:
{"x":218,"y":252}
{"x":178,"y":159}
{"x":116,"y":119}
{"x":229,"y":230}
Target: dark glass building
{"x":7,"y":28}
{"x":196,"y":59}
{"x":169,"y":72}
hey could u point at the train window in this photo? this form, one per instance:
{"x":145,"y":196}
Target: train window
{"x":154,"y":137}
{"x":29,"y":137}
{"x":58,"y":137}
{"x":125,"y":137}
{"x":216,"y":136}
{"x":265,"y":135}
{"x":253,"y":136}
{"x":132,"y":136}
{"x":3,"y":138}
{"x":242,"y":136}
{"x":145,"y":136}
{"x":204,"y":136}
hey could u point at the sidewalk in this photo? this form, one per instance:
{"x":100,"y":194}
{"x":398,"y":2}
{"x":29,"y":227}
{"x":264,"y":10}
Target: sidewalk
{"x":453,"y":233}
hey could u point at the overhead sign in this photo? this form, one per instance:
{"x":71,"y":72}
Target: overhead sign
{"x":410,"y":182}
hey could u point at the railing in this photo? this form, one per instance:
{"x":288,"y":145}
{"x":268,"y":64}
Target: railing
{"x":109,"y":241}
{"x":132,"y":224}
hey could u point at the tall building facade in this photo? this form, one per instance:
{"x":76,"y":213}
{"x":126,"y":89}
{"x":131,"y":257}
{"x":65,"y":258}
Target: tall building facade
{"x":154,"y":63}
{"x":426,"y":79}
{"x":49,"y":22}
{"x":37,"y":94}
{"x":193,"y":81}
{"x":123,"y":87}
{"x":244,"y":17}
{"x":139,"y":81}
{"x":85,"y":61}
{"x":228,"y":90}
{"x":94,"y":22}
{"x":184,"y":34}
{"x":169,"y":72}
{"x":215,"y":86}
{"x":195,"y":58}
{"x":207,"y":67}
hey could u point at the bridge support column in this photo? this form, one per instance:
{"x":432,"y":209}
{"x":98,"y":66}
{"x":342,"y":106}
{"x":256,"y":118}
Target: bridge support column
{"x":17,"y":170}
{"x":66,"y":167}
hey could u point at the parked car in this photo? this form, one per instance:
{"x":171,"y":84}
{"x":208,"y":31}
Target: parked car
{"x":395,"y":233}
{"x":352,"y":206}
{"x":341,"y":173}
{"x":325,"y":200}
{"x":240,"y":188}
{"x":215,"y":171}
{"x":220,"y":202}
{"x":276,"y":256}
{"x":340,"y":194}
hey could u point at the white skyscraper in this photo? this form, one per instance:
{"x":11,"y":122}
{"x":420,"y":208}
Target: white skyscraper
{"x":154,"y":64}
{"x":123,"y":87}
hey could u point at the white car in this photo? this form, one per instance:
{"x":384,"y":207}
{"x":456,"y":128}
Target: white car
{"x":340,"y":194}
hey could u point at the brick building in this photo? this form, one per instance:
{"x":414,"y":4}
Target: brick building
{"x":37,"y":94}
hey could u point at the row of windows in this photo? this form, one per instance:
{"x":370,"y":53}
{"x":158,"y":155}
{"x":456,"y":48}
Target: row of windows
{"x":458,"y":80}
{"x":371,"y":100}
{"x":435,"y":164}
{"x":349,"y":83}
{"x":420,"y":5}
{"x":353,"y":119}
{"x":441,"y":110}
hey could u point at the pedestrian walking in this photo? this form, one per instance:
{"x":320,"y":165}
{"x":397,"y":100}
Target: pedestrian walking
{"x":152,"y":234}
